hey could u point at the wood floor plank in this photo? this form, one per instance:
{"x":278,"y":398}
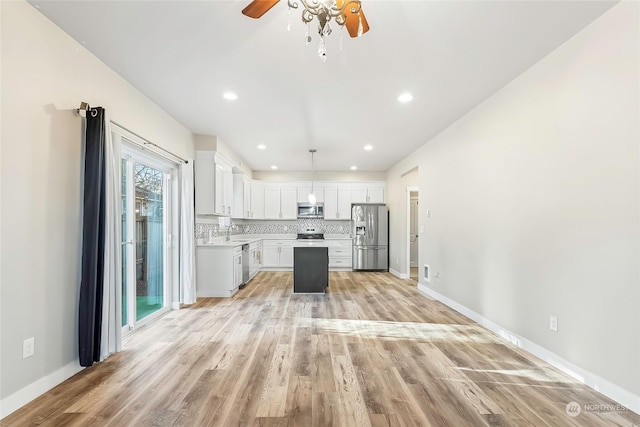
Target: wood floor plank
{"x":372,"y":351}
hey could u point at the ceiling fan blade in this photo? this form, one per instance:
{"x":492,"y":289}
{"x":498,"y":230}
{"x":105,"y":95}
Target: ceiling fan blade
{"x":353,"y":20}
{"x":257,"y":8}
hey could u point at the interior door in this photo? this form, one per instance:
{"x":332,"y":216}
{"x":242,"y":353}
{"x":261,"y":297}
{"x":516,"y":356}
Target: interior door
{"x":413,"y":232}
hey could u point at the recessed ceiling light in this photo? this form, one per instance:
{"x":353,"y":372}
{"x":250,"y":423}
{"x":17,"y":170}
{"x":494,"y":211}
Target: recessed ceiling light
{"x":230,"y":96}
{"x":274,"y":167}
{"x":405,"y":97}
{"x":262,"y":147}
{"x":354,"y":168}
{"x":368,"y":147}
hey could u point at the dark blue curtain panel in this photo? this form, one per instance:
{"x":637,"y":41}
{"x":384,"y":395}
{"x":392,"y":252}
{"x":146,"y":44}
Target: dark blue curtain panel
{"x":91,"y":286}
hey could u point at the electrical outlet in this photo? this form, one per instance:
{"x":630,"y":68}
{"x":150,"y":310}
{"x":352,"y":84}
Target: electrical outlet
{"x":553,"y":323}
{"x":428,"y":213}
{"x":437,"y":276}
{"x":28,"y":347}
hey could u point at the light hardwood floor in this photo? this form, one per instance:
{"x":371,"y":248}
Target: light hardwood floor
{"x":373,"y":351}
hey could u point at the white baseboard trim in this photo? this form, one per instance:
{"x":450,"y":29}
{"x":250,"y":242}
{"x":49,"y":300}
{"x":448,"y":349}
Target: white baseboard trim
{"x":25,"y":395}
{"x":398,"y":274}
{"x":599,"y":384}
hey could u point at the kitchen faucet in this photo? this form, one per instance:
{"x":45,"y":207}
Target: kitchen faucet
{"x":232,"y":226}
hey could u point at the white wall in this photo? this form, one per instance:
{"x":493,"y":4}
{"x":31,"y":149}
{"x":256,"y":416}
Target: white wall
{"x":535,"y":202}
{"x":403,"y":175}
{"x":45,"y":76}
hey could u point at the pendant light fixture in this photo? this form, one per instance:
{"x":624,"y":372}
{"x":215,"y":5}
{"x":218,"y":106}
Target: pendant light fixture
{"x":312,"y":196}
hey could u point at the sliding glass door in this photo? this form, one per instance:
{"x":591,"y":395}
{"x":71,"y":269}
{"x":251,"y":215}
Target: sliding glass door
{"x":146,"y":221}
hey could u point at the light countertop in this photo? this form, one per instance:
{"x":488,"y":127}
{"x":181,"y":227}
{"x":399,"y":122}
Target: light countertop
{"x":239,"y":240}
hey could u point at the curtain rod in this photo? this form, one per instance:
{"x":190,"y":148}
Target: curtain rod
{"x":84,"y":107}
{"x":147,"y":142}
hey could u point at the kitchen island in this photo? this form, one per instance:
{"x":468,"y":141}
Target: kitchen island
{"x":311,"y":265}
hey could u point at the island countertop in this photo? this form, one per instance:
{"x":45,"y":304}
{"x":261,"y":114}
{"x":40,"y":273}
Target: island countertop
{"x":312,"y":243}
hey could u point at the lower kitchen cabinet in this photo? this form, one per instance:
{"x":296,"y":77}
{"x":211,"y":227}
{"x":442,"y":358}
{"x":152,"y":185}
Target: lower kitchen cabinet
{"x":218,"y":270}
{"x":255,"y":260}
{"x":340,"y":254}
{"x":278,"y":253}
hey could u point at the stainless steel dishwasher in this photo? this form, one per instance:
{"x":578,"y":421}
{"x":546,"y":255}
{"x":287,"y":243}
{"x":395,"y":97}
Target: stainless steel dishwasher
{"x":245,"y":264}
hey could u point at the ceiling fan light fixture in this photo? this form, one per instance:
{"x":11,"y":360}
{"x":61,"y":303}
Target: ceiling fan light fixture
{"x":344,"y":13}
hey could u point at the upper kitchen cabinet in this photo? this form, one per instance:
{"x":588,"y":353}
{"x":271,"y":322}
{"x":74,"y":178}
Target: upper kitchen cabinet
{"x":248,"y":198}
{"x":305,"y":190}
{"x":213,"y":184}
{"x":257,"y":201}
{"x":367,"y":193}
{"x":280,"y":202}
{"x":337,"y":202}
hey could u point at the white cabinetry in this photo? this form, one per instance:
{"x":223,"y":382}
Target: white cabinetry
{"x":241,"y":196}
{"x":305,"y":190}
{"x":367,"y":194}
{"x":272,"y":203}
{"x":337,"y":202}
{"x":255,"y":260}
{"x":218,"y":270}
{"x":340,"y":254}
{"x":237,"y":266}
{"x":278,"y":253}
{"x":205,"y":176}
{"x":248,"y":198}
{"x":257,"y":201}
{"x":289,"y":202}
{"x":223,"y":188}
{"x":213,"y":184}
{"x":280,"y":202}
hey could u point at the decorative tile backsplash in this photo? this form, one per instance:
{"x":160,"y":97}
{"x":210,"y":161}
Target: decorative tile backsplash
{"x":274,"y":227}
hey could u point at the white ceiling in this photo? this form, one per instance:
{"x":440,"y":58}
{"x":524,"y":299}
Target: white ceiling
{"x":451,"y":55}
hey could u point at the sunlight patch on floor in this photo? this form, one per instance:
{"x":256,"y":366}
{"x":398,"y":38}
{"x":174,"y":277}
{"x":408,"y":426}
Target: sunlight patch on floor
{"x":406,"y":330}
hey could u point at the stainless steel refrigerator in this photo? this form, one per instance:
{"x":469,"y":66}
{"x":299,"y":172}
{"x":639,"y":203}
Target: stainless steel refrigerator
{"x":370,"y":234}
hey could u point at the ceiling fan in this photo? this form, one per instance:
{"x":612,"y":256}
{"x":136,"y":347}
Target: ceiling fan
{"x":345,"y":12}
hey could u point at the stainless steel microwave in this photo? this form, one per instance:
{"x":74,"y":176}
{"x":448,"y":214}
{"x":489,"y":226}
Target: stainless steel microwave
{"x":307,"y":210}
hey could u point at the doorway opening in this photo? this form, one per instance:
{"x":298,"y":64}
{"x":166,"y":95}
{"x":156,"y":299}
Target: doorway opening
{"x":412,"y":232}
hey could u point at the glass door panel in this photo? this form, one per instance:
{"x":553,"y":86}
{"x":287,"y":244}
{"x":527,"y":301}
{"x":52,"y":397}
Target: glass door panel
{"x":149,"y":238}
{"x":145,"y":220}
{"x":126,"y":244}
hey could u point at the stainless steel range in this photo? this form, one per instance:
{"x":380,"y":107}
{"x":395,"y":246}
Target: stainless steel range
{"x":310,"y":234}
